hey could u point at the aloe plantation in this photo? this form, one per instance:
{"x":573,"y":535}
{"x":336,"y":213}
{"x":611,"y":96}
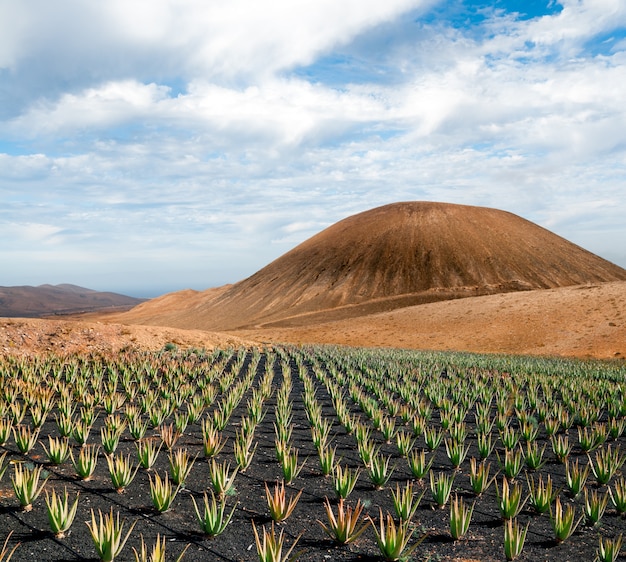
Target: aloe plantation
{"x":321,"y":453}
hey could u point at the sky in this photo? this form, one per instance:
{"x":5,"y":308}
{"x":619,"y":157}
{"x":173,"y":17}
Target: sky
{"x":149,"y":146}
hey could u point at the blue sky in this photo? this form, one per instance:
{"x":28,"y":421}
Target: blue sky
{"x":148,"y":146}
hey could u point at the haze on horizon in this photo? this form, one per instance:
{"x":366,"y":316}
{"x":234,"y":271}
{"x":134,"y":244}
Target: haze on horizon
{"x":148,"y":146}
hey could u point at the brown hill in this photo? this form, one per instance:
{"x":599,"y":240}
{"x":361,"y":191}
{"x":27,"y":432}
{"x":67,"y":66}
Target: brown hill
{"x":384,"y":259}
{"x":45,"y":300}
{"x":578,"y":321}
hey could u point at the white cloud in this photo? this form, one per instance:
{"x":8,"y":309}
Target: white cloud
{"x":190,"y":133}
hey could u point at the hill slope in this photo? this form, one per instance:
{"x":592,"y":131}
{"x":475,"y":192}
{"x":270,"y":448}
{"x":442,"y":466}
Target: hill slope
{"x":579,"y":321}
{"x":387,"y":258}
{"x":45,"y":300}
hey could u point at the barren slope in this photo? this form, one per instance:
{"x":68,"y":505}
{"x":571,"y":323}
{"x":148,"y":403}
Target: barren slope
{"x":388,"y":258}
{"x":32,"y":336}
{"x":579,"y":321}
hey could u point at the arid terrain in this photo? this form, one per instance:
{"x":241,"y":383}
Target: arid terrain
{"x":409,"y":275}
{"x":33,"y":302}
{"x":579,"y":321}
{"x":220,"y":392}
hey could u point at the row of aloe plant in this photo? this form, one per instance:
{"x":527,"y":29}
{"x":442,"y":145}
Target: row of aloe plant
{"x":453,"y":406}
{"x":407,"y":409}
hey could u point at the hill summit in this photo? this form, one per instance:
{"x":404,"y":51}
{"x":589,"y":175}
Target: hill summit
{"x":386,"y":258}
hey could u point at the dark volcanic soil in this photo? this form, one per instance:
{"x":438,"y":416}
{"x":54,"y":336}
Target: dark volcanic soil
{"x":484,"y":541}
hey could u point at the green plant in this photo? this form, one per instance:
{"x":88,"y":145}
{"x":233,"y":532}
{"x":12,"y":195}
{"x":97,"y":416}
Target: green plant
{"x":243,"y":450}
{"x":561,"y":447}
{"x":25,"y":437}
{"x":529,"y":431}
{"x":290,"y":466}
{"x":344,"y":480}
{"x":393,"y":540}
{"x":510,"y":499}
{"x":541,"y":494}
{"x":279,"y":505}
{"x":418,"y":464}
{"x":479,"y":476}
{"x":222,"y":479}
{"x":388,"y":428}
{"x":590,"y":439}
{"x":121,"y":471}
{"x":513,"y":463}
{"x":433,"y":437}
{"x":563,"y":520}
{"x":58,"y":451}
{"x":270,"y":547}
{"x":147,"y":452}
{"x":456,"y":452}
{"x":180,"y":466}
{"x":87,"y":461}
{"x":169,"y":435}
{"x":608,"y":462}
{"x":137,"y":427}
{"x":6,"y":425}
{"x":594,"y":506}
{"x":106,"y":534}
{"x":60,"y":513}
{"x":608,"y":549}
{"x":327,"y":459}
{"x":617,"y":426}
{"x":534,"y":455}
{"x":162,"y":492}
{"x":514,"y":538}
{"x":404,"y":443}
{"x":379,"y":471}
{"x":26,"y":484}
{"x":441,"y":488}
{"x":343,"y":528}
{"x":460,"y":517}
{"x":618,"y":498}
{"x":3,"y":466}
{"x":80,"y":431}
{"x":211,"y":439}
{"x":485,"y":444}
{"x":404,"y":501}
{"x":575,"y":477}
{"x":110,"y":438}
{"x":158,"y":551}
{"x":367,"y":450}
{"x":509,"y":438}
{"x":213,"y":519}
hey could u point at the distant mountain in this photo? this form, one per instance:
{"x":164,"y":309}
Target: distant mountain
{"x":387,"y":258}
{"x":46,"y":300}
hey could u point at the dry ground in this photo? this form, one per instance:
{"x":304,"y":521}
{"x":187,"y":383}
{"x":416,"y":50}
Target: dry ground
{"x":580,"y":321}
{"x":30,"y":335}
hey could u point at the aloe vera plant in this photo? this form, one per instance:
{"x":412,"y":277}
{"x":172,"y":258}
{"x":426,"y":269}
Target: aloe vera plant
{"x":213,"y":519}
{"x":514,"y":538}
{"x":157,"y":554}
{"x":280,"y":505}
{"x":441,"y":488}
{"x":61,"y":513}
{"x":26,"y":484}
{"x":392,"y":539}
{"x":107,"y":534}
{"x":270,"y":546}
{"x":460,"y":517}
{"x":162,"y":492}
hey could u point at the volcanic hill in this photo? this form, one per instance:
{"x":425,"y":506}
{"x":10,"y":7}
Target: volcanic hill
{"x":384,"y":259}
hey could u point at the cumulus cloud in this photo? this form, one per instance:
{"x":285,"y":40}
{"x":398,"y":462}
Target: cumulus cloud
{"x":214,"y":136}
